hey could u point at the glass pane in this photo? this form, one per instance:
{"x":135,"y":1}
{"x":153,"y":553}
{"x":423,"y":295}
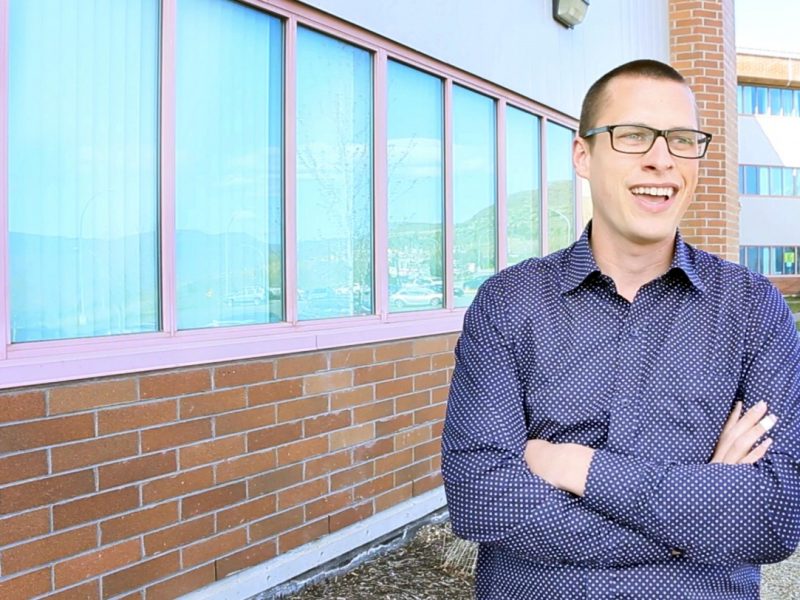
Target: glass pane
{"x":416,"y":189}
{"x":761,"y":101}
{"x":749,"y":100}
{"x":560,"y":188}
{"x":788,"y":182}
{"x":742,"y":185}
{"x":740,"y":99}
{"x":786,"y":101}
{"x":796,"y":103}
{"x":523,"y":179}
{"x":764,"y":263}
{"x":796,"y":182}
{"x":82,"y":168}
{"x":763,"y":181}
{"x":228,"y":165}
{"x":774,"y":101}
{"x":334,"y":177}
{"x":752,"y":258}
{"x":751,"y":180}
{"x":777,"y":260}
{"x":474,"y":192}
{"x":742,"y":255}
{"x":775,"y":181}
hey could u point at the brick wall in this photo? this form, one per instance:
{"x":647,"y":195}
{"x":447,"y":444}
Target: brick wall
{"x":788,"y":286}
{"x":703,"y":49}
{"x":152,"y":485}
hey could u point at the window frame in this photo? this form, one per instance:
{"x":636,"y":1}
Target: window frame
{"x":31,"y":363}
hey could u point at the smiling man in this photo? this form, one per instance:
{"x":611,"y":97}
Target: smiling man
{"x":606,"y":431}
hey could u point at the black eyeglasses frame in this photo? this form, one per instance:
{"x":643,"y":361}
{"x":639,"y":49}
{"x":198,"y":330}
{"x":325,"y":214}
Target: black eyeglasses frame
{"x":657,"y":133}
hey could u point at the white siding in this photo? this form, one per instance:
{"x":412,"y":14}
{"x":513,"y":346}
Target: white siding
{"x":769,"y":140}
{"x":516,"y":43}
{"x":770,"y":221}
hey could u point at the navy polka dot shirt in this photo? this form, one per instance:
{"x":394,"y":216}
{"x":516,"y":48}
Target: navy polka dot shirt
{"x":550,"y":351}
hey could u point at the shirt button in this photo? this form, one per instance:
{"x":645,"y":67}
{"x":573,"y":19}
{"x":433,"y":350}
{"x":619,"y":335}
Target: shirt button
{"x":676,"y":553}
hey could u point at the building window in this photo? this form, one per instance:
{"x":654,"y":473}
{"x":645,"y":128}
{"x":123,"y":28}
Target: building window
{"x":83,"y":169}
{"x":769,"y":181}
{"x":770,"y":260}
{"x":761,"y":100}
{"x":474,"y":191}
{"x":217,"y":181}
{"x":334,"y":177}
{"x":228,"y":166}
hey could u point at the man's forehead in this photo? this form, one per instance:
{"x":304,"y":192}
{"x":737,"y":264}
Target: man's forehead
{"x":640,"y":94}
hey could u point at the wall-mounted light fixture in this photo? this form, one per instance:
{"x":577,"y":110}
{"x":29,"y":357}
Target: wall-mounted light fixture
{"x":570,"y":12}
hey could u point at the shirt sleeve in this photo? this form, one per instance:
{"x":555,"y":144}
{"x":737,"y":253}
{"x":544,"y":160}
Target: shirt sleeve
{"x":723,"y":514}
{"x":492,"y":495}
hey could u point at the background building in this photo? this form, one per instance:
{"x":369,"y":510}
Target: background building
{"x":239,"y":238}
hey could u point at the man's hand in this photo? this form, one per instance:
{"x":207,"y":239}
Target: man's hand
{"x":737,"y":442}
{"x":565,"y":466}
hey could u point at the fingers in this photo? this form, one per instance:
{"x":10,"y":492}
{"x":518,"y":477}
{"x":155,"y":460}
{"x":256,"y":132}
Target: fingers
{"x":757,"y":453}
{"x":737,"y":442}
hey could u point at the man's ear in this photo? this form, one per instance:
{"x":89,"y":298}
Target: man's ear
{"x":580,"y":157}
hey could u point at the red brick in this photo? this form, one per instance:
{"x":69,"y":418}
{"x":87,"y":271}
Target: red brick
{"x":246,"y":512}
{"x":426,"y":381}
{"x":85,"y":396}
{"x":374,"y":487}
{"x":213,"y":499}
{"x":394,"y":424}
{"x":328,"y":464}
{"x":428,"y":449}
{"x":48,"y":549}
{"x":47,"y":432}
{"x":101,"y":560}
{"x":352,"y":476}
{"x":412,"y":401}
{"x":95,"y":507}
{"x":374,"y":411}
{"x":396,"y":496}
{"x":304,"y":407}
{"x":177,"y":434}
{"x":252,"y":555}
{"x":274,"y":436}
{"x":303,"y":535}
{"x":291,"y":453}
{"x":372,"y":450}
{"x":443,"y":361}
{"x":394,"y":388}
{"x":179,"y":383}
{"x":413,"y":366}
{"x":349,"y":516}
{"x":21,"y":406}
{"x":272,"y":526}
{"x":274,"y":392}
{"x":88,"y":591}
{"x":302,"y":493}
{"x":430,"y":345}
{"x":138,"y":416}
{"x":178,"y":535}
{"x":46,"y":491}
{"x":275,"y":480}
{"x":327,"y":382}
{"x":213,"y":403}
{"x":352,"y":357}
{"x":440,"y":394}
{"x":354,"y":397}
{"x":20,"y":467}
{"x":94,"y":452}
{"x":244,"y":466}
{"x":352,"y":436}
{"x":412,"y":437}
{"x":137,"y":469}
{"x":412,"y":472}
{"x":431,"y":413}
{"x":242,"y":420}
{"x":178,"y":485}
{"x":244,"y":373}
{"x":132,"y":524}
{"x":140,"y":574}
{"x":329,"y":504}
{"x":303,"y":364}
{"x":182,"y":584}
{"x":327,"y":422}
{"x":373,"y":373}
{"x":211,"y":548}
{"x":393,"y":351}
{"x":25,"y":586}
{"x":427,"y":483}
{"x":395,"y":461}
{"x":27,"y":525}
{"x":216,"y":450}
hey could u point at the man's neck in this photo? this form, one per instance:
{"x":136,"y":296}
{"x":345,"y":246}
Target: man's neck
{"x":631,"y":265}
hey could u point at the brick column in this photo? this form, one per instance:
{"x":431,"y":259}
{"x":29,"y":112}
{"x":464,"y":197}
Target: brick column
{"x":703,"y":49}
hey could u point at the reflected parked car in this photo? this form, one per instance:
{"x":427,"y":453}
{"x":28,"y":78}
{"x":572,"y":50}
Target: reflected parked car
{"x":252,"y":294}
{"x":416,"y":296}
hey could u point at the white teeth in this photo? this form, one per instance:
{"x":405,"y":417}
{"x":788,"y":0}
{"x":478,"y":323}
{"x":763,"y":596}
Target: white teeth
{"x":652,"y":191}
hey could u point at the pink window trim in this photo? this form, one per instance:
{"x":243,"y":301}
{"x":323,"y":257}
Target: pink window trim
{"x":39,"y":363}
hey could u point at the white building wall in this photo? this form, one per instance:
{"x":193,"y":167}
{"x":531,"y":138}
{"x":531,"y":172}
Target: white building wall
{"x":769,"y":140}
{"x":767,"y":221}
{"x":516,"y":43}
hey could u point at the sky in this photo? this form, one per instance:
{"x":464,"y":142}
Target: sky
{"x":760,"y":28}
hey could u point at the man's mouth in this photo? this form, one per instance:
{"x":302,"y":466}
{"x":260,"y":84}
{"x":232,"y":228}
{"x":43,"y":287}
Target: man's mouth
{"x":654,"y":193}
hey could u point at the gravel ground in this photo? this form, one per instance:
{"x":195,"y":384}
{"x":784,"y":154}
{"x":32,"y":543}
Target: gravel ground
{"x":435,"y":565}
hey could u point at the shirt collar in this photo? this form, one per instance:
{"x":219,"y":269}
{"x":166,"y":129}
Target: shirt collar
{"x":580,"y":263}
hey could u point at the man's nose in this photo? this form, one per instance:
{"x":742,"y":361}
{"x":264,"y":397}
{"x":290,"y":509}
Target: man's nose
{"x":658,"y":157}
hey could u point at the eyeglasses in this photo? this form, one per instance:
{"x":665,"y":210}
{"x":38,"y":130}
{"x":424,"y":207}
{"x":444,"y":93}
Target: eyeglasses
{"x":638,"y":139}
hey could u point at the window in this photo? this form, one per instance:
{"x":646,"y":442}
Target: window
{"x":770,"y":260}
{"x":474,"y":192}
{"x":761,"y":100}
{"x":523,"y":201}
{"x":768,"y":181}
{"x":217,"y":181}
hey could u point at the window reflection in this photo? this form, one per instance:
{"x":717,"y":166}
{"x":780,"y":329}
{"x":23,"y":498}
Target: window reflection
{"x":228,"y":165}
{"x":474,"y":192}
{"x":523,"y":203}
{"x":771,"y":260}
{"x":416,"y":189}
{"x":334,"y":177}
{"x":560,"y":188}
